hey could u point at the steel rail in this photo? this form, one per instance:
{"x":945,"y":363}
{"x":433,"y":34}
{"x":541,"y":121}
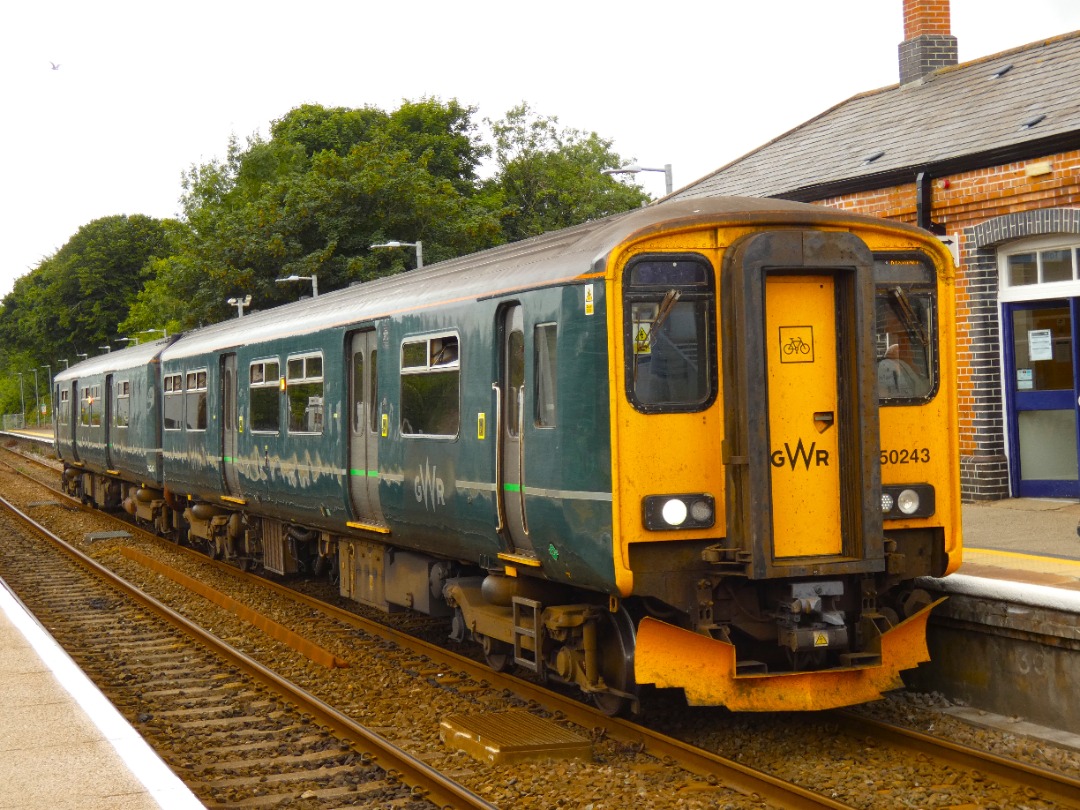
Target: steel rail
{"x":425,"y":780}
{"x":1062,"y":790}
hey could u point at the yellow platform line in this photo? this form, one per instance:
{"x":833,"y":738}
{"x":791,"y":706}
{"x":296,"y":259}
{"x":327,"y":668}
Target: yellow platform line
{"x":1022,"y":556}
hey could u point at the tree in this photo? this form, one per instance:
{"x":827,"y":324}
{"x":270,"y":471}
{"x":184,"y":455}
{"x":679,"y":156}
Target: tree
{"x":549,"y":178}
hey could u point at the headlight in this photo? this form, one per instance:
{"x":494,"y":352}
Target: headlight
{"x":907,"y":501}
{"x":685,"y":511}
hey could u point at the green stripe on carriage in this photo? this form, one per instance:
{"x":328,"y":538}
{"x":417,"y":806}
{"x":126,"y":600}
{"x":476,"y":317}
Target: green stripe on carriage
{"x":365,"y":473}
{"x":512,"y":487}
{"x":228,"y":459}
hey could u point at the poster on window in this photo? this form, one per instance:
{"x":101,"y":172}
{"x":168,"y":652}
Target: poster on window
{"x":1040,"y":345}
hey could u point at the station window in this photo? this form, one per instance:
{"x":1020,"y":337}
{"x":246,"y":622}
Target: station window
{"x":1051,"y":265}
{"x":195,"y":397}
{"x":670,"y":334}
{"x":430,"y":371}
{"x":122,"y":404}
{"x":546,"y":374}
{"x":173,"y":401}
{"x":304,"y":383}
{"x":906,"y":336}
{"x":90,"y":415}
{"x":265,"y":400}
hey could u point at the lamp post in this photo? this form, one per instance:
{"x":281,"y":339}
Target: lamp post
{"x":37,"y":401}
{"x":128,"y":340}
{"x":634,"y":168}
{"x":164,"y":332}
{"x":65,"y":361}
{"x":22,"y":398}
{"x":314,"y":279}
{"x":82,"y":355}
{"x":239,"y":303}
{"x":106,"y":347}
{"x":393,"y":243}
{"x":48,"y":371}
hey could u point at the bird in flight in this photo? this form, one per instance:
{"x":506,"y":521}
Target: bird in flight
{"x":54,"y":65}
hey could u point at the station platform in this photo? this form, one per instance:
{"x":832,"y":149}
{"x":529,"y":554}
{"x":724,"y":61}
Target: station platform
{"x":63,"y":746}
{"x":1024,"y":540}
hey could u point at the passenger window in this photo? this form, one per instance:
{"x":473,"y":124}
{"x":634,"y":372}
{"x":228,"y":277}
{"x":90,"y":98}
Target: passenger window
{"x":173,"y":401}
{"x":122,"y":404}
{"x":195,"y":395}
{"x":304,"y":383}
{"x":546,"y":376}
{"x":358,"y":392}
{"x":429,"y":386}
{"x":264,"y":403}
{"x":63,"y":414}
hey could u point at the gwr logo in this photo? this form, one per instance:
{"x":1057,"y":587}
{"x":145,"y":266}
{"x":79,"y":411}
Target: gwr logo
{"x":800,"y":454}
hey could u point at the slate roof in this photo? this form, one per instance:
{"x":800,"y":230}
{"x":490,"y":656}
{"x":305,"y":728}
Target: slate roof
{"x":954,"y":119}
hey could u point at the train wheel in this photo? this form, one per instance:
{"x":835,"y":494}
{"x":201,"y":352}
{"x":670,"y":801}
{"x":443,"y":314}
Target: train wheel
{"x":498,"y":654}
{"x":617,"y":638}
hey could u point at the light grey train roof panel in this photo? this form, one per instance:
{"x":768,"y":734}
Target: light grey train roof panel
{"x":121,"y":359}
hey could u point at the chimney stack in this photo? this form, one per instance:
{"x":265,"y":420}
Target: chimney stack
{"x":927,"y":44}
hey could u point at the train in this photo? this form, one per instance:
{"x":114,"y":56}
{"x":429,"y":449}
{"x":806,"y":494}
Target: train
{"x":706,"y":445}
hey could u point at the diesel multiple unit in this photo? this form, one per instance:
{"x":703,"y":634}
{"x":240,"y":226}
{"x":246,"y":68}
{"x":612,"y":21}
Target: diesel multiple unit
{"x":706,"y":445}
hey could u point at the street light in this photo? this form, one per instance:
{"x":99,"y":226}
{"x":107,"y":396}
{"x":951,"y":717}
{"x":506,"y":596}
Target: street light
{"x":128,"y":340}
{"x":239,"y":303}
{"x":393,"y":243}
{"x":22,"y":399}
{"x":48,"y":367}
{"x":164,"y":332}
{"x":314,"y":279}
{"x":633,"y":168}
{"x":37,"y":401}
{"x":80,"y":354}
{"x":106,"y":347}
{"x":65,"y":361}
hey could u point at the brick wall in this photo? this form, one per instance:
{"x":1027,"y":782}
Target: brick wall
{"x":926,"y":17}
{"x":984,"y":209}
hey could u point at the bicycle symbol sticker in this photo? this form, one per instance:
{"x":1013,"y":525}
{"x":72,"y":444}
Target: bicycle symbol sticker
{"x":796,"y":344}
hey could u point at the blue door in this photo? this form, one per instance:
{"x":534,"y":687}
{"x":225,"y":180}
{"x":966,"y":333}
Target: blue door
{"x":1041,"y":397}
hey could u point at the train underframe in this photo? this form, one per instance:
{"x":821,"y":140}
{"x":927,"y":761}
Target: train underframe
{"x":734,"y":627}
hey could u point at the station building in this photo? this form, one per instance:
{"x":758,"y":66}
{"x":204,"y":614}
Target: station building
{"x":986,"y":154}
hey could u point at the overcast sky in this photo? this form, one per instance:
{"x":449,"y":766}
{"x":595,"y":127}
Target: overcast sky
{"x":146,"y":89}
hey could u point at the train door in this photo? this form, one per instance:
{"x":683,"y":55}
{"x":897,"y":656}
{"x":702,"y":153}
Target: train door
{"x":364,"y":430}
{"x":511,"y":449}
{"x":107,"y":406}
{"x":230,"y":425}
{"x":798,"y":312}
{"x":73,"y":415}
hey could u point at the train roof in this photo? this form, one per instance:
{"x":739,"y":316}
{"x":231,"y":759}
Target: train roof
{"x":120,"y":360}
{"x":561,"y":255}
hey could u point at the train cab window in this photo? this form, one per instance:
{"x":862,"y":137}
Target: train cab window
{"x":430,"y":371}
{"x":669,"y":334}
{"x":122,"y":404}
{"x":546,"y":368}
{"x":304,"y":383}
{"x":195,"y":396}
{"x":173,"y":401}
{"x":265,"y":400}
{"x":906,"y":337}
{"x":90,"y":415}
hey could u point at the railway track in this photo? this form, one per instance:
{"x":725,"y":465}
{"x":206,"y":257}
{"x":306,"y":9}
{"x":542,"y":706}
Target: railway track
{"x":242,"y":735}
{"x":446,"y":668}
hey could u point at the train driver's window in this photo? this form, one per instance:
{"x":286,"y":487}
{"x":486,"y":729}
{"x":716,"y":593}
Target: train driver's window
{"x":670,"y":362}
{"x":906,"y":336}
{"x":429,"y":386}
{"x":264,"y":402}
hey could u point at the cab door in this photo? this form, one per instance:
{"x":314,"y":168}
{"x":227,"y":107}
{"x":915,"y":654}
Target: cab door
{"x":364,"y":431}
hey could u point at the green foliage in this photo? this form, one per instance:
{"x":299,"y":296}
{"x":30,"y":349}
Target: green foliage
{"x":328,"y":184}
{"x":550,"y":178}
